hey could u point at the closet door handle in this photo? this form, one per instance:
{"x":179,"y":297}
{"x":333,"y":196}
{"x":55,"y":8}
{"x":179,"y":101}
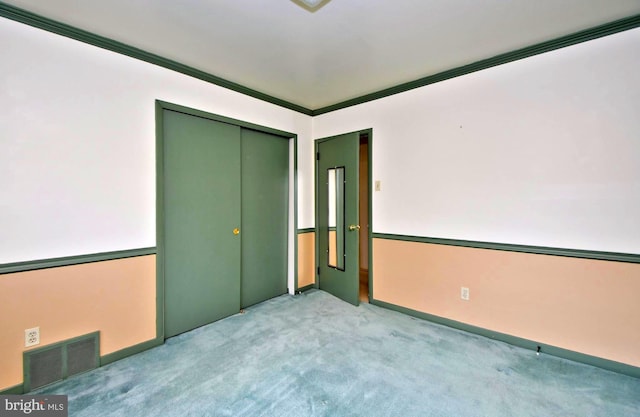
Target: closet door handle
{"x":236,"y":231}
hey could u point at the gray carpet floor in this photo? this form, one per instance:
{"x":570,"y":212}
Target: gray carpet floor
{"x":314,"y":355}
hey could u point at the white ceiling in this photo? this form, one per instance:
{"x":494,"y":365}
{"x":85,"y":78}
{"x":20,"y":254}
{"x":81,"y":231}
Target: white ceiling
{"x":346,"y":49}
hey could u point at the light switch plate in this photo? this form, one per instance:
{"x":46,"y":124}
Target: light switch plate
{"x":464,"y":293}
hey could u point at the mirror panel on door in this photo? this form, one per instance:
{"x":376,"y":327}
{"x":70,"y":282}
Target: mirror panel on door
{"x":336,"y":229}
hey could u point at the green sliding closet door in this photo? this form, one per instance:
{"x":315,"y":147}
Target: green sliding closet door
{"x":265,"y":197}
{"x":225,"y":203}
{"x":201,"y":210}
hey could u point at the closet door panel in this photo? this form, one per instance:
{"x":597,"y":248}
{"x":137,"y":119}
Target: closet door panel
{"x":202,"y":198}
{"x":265,"y":185}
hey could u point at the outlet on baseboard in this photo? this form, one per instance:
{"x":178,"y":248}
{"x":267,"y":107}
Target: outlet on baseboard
{"x":464,"y":293}
{"x":32,"y":337}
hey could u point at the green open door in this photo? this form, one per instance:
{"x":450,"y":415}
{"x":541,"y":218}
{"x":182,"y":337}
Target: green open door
{"x":337,"y":210}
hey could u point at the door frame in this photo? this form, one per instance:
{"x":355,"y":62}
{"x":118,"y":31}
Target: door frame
{"x":369,"y":133}
{"x":292,"y":221}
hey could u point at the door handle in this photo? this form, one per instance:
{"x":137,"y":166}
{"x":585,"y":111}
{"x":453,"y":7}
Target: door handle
{"x":354,"y":227}
{"x":236,"y":231}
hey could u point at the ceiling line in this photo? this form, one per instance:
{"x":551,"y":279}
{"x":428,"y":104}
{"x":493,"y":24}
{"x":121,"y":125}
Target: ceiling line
{"x":41,"y":22}
{"x":610,"y":28}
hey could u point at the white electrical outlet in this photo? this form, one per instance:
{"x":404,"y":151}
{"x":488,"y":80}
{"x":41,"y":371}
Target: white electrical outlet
{"x":32,"y":337}
{"x":464,"y":293}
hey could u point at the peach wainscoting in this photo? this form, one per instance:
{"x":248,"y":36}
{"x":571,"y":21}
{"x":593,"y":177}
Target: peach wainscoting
{"x":306,"y":259}
{"x":583,"y":305}
{"x":116,"y":297}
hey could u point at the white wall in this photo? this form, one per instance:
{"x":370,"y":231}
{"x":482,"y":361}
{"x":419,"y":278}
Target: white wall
{"x":543,"y":151}
{"x":77,"y":143}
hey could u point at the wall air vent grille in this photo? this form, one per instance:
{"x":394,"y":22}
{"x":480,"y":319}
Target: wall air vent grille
{"x":60,"y":360}
{"x":45,"y":367}
{"x":81,"y":356}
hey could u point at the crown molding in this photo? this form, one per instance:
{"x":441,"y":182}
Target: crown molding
{"x":41,"y":22}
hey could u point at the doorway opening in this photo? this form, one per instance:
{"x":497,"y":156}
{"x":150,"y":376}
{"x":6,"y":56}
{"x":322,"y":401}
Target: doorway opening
{"x":364,"y":219}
